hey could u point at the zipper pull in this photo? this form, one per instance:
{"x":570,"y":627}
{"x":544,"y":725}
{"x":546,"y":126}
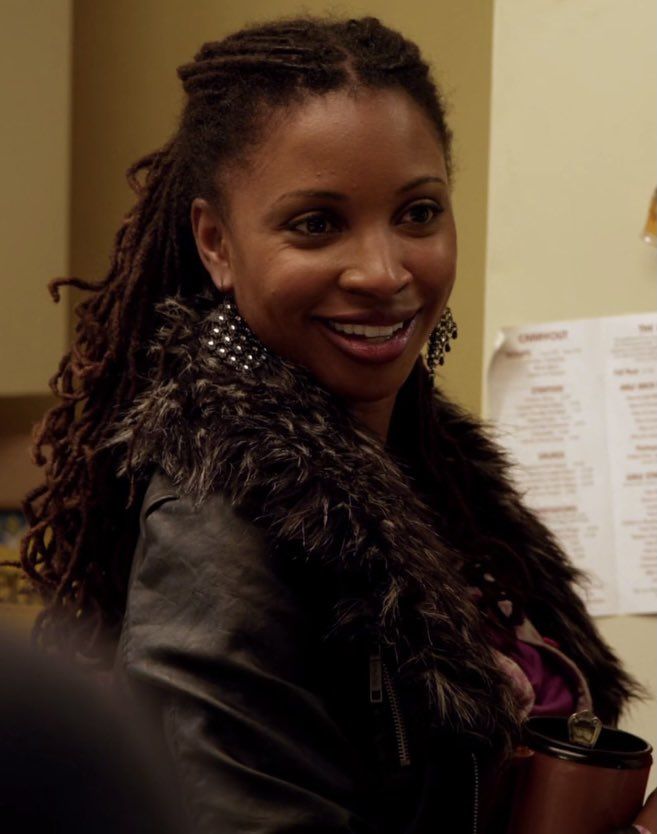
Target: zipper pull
{"x":376,"y":676}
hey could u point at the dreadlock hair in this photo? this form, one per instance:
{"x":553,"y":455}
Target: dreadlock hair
{"x":82,"y":520}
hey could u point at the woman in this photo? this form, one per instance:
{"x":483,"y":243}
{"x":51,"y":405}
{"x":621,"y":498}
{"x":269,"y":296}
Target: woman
{"x":336,"y":600}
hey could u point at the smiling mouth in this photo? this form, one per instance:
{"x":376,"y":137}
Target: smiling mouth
{"x":376,"y":348}
{"x":373,"y":334}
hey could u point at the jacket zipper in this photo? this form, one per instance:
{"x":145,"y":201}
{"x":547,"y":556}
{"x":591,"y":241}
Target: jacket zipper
{"x":475,"y":804}
{"x":380,"y":682}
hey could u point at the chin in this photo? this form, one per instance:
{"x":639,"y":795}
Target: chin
{"x":370,"y":386}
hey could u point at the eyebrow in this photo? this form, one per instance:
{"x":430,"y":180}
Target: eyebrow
{"x":336,"y":195}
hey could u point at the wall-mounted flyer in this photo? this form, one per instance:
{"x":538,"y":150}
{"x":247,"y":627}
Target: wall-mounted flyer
{"x":575,"y":405}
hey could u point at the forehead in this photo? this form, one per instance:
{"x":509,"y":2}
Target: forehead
{"x":362,"y":140}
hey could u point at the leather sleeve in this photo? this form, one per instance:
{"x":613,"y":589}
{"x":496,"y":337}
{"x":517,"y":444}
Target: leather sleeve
{"x":226,"y":652}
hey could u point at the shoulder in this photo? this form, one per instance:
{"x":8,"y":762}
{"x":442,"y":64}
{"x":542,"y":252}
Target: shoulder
{"x":161,"y":490}
{"x":207,"y":570}
{"x":201,"y":535}
{"x":206,"y":589}
{"x":213,"y":539}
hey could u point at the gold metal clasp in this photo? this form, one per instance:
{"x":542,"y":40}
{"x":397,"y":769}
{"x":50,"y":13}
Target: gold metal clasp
{"x":584,"y":728}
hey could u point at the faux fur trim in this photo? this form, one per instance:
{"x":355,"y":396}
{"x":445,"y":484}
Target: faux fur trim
{"x":289,"y":455}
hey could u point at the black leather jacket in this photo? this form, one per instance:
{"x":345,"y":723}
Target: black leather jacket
{"x":299,"y":615}
{"x":271,"y":729}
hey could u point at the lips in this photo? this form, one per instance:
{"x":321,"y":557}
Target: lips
{"x":372,"y":317}
{"x":365,"y":330}
{"x":365,"y":351}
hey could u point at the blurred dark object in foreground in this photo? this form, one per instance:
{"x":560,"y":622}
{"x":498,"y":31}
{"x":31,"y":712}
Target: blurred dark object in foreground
{"x":72,"y":760}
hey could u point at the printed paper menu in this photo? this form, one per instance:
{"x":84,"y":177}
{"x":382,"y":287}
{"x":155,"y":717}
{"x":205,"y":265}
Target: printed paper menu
{"x":575,"y":405}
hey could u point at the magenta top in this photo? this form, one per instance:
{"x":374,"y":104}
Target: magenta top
{"x":545,"y":680}
{"x":553,"y":687}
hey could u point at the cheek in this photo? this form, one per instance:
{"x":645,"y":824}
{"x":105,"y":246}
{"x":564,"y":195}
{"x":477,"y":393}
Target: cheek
{"x":281,"y":298}
{"x":294,"y":286}
{"x":435,"y":266}
{"x":294,"y":295}
{"x":446,"y":246}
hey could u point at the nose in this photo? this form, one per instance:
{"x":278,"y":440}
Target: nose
{"x":374,"y":266}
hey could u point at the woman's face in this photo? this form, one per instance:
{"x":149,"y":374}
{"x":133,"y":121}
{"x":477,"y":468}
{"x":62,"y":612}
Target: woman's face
{"x":343,"y":213}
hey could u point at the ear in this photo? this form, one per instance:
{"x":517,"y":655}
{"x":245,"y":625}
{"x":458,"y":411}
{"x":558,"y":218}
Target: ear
{"x":212,"y":243}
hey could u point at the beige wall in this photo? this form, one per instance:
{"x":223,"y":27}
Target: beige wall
{"x":35,"y":90}
{"x":571,"y":173}
{"x":35,"y":149}
{"x":127,"y":97}
{"x":572,"y":169}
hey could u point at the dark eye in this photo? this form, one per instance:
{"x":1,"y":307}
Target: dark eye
{"x":315,"y":224}
{"x":422,"y":213}
{"x":321,"y":223}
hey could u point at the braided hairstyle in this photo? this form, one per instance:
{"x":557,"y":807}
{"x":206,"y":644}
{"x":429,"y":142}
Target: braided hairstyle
{"x":82,"y":520}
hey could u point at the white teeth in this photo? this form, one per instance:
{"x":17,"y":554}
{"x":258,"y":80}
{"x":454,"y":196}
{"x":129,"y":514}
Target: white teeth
{"x":365,"y":329}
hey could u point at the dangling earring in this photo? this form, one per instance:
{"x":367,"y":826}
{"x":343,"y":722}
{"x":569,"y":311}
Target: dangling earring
{"x":438,"y":344}
{"x":229,"y":337}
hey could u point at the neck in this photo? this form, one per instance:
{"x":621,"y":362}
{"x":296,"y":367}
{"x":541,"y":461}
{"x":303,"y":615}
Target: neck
{"x":375,"y":415}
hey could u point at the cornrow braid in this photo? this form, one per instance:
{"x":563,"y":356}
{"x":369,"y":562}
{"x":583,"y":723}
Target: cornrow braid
{"x":82,"y":520}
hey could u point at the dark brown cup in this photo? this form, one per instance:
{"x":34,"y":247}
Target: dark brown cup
{"x":566,"y":788}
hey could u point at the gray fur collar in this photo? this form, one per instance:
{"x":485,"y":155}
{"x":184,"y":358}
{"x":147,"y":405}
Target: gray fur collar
{"x":289,"y":455}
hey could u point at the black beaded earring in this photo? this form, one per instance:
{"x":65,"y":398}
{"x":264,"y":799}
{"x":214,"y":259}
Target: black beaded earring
{"x":439,"y":341}
{"x":229,"y":338}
